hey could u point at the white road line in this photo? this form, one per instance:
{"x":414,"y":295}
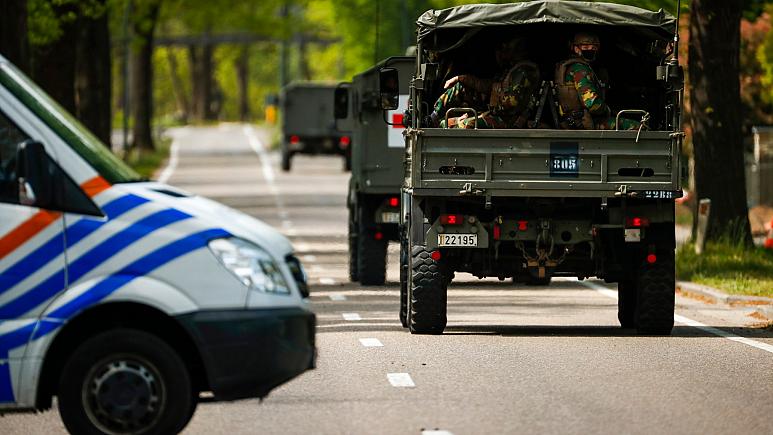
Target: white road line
{"x":316,"y":268}
{"x":400,"y":380}
{"x":351,"y":317}
{"x":174,"y":150}
{"x":260,"y":150}
{"x":310,"y":258}
{"x":436,"y":432}
{"x":337,"y":297}
{"x":371,"y":342}
{"x":327,"y":281}
{"x":689,"y":322}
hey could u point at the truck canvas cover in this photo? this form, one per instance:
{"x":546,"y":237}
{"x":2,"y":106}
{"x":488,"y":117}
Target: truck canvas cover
{"x":658,"y":25}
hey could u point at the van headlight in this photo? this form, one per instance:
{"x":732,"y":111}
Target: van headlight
{"x":251,"y":264}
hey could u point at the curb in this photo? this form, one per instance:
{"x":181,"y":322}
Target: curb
{"x":765,"y":305}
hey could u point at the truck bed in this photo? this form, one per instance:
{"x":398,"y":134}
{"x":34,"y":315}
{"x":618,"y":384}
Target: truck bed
{"x":567,"y":163}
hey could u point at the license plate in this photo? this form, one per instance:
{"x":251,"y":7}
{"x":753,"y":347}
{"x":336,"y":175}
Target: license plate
{"x":463,"y":240}
{"x":390,"y":217}
{"x":633,"y":235}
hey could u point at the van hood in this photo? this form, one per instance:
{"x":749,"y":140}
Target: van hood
{"x":214,"y":214}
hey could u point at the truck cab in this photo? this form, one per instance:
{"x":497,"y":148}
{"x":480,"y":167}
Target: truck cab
{"x":126,"y":298}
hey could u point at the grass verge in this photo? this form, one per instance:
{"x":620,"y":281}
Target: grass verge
{"x":729,"y":267}
{"x":146,"y":163}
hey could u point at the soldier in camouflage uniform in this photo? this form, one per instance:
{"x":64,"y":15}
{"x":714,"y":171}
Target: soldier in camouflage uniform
{"x":581,"y":96}
{"x":502,"y":102}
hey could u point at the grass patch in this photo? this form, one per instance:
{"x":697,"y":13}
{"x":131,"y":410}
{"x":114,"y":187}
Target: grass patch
{"x":729,"y":267}
{"x":146,"y":163}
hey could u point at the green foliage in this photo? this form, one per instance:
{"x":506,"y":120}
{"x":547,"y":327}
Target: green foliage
{"x":146,"y":163}
{"x":728,"y":266}
{"x":46,"y":17}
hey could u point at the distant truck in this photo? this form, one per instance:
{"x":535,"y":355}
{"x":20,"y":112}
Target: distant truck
{"x":308,"y":126}
{"x":541,"y":202}
{"x":377,"y":168}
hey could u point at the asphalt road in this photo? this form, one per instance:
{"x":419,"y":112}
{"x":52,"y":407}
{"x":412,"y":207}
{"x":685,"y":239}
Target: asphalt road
{"x":514,"y":359}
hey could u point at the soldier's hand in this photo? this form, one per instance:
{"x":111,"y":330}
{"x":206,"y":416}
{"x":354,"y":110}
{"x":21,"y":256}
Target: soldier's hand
{"x":452,"y":81}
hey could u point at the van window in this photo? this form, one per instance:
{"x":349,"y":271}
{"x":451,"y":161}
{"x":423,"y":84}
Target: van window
{"x":10,"y":137}
{"x":80,"y":139}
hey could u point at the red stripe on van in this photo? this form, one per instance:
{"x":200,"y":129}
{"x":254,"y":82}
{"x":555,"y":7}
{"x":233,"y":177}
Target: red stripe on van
{"x":95,"y":186}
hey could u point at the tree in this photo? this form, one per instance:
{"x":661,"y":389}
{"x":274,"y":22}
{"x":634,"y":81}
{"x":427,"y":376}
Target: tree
{"x":144,"y":19}
{"x":715,"y":119}
{"x":13,"y":32}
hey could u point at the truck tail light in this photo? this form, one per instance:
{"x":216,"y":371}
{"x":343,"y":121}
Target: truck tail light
{"x":523,"y":225}
{"x":394,"y":201}
{"x":637,"y":222}
{"x":294,"y":139}
{"x":435,"y":255}
{"x":451,"y":219}
{"x":345,"y":141}
{"x":497,"y":231}
{"x":652,"y":258}
{"x":379,"y":235}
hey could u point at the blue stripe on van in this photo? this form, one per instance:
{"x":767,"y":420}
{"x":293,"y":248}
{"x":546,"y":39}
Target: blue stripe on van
{"x":89,"y":261}
{"x":101,"y":290}
{"x":55,"y":246}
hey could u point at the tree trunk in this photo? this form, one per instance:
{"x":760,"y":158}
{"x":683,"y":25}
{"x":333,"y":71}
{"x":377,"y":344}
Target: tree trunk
{"x":177,"y":86}
{"x":93,"y":86}
{"x":13,"y":33}
{"x":201,"y":77}
{"x":143,"y":26}
{"x":53,"y":66}
{"x":243,"y":72}
{"x":716,"y":124}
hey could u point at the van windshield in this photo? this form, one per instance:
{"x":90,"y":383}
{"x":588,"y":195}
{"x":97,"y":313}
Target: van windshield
{"x":78,"y":137}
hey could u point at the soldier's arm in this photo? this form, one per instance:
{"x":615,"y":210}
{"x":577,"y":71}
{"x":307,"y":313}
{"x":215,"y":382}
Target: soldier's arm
{"x":471,"y":82}
{"x":586,"y":84}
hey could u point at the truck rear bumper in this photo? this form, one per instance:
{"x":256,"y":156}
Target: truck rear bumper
{"x":247,"y":353}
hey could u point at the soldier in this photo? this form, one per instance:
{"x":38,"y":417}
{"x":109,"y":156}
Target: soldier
{"x":506,"y":100}
{"x":581,"y":98}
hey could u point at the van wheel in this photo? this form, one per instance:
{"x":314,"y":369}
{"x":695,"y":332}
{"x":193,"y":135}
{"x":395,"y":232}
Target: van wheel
{"x":125,"y":381}
{"x":655,"y":299}
{"x":352,"y":236}
{"x":427,"y":293}
{"x":286,"y":156}
{"x":371,"y":252}
{"x":403,"y":281}
{"x":626,"y":303}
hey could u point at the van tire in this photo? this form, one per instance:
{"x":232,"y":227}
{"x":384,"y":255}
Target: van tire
{"x":428,"y":298}
{"x":626,"y":303}
{"x":371,"y":253}
{"x":117,"y":358}
{"x":656,"y":293}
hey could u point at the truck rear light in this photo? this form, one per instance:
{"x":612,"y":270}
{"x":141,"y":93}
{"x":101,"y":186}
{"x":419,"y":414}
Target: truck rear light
{"x":523,"y":225}
{"x":637,"y":222}
{"x":435,"y":255}
{"x":345,"y":141}
{"x":379,"y":235}
{"x":394,"y":201}
{"x":294,"y":139}
{"x":451,"y":219}
{"x":497,"y":231}
{"x":652,"y":258}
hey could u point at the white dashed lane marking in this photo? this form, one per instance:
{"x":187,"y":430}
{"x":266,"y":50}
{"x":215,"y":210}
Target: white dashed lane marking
{"x":351,"y":317}
{"x":337,"y":297}
{"x":310,"y":258}
{"x":401,"y":380}
{"x":371,"y":342}
{"x":327,"y":281}
{"x":436,"y":432}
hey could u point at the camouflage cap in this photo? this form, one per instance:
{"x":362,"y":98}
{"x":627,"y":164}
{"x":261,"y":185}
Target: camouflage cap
{"x":585,"y":38}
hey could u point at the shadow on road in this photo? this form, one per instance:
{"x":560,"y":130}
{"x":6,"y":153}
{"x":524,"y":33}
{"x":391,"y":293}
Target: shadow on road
{"x":679,"y":331}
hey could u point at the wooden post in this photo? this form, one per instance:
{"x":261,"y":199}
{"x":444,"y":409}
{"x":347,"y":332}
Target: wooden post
{"x":704,"y":209}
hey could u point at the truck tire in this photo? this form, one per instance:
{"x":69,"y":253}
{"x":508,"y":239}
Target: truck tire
{"x":92,"y":394}
{"x":428,"y":298}
{"x":626,"y":303}
{"x":371,"y":253}
{"x":352,"y":236}
{"x":403,"y":281}
{"x":655,"y":297}
{"x":286,"y":157}
{"x":348,"y":162}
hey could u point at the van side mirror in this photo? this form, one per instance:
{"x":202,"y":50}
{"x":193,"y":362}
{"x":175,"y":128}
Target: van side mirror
{"x":36,"y":186}
{"x":341,"y":102}
{"x":388,"y":88}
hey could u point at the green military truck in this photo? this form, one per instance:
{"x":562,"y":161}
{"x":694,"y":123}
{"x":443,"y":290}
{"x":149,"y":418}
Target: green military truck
{"x":377,"y":167}
{"x":308,"y":126}
{"x":544,"y":201}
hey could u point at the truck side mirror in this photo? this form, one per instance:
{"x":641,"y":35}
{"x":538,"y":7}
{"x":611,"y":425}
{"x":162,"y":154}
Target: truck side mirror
{"x":341,"y":102}
{"x":388,"y":88}
{"x":36,"y":186}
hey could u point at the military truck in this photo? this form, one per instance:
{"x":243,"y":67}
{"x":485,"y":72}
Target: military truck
{"x":308,"y":126}
{"x":544,"y":201}
{"x":377,"y":167}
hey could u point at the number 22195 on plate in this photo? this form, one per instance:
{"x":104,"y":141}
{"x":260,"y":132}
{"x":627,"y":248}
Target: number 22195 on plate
{"x":457,"y":240}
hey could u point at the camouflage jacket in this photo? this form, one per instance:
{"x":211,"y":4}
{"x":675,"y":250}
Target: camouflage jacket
{"x":589,"y":88}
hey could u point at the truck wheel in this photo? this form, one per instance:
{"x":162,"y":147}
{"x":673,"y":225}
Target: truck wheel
{"x":347,"y":162}
{"x":286,"y":157}
{"x":655,"y":298}
{"x":352,"y":236}
{"x":626,"y":303}
{"x":404,"y":282}
{"x":371,"y":251}
{"x":125,"y":381}
{"x":427,"y":293}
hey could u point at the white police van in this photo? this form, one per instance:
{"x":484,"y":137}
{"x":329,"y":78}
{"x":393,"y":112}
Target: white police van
{"x":125,"y":299}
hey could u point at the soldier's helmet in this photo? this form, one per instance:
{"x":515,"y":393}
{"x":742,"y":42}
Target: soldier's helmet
{"x":588,"y":45}
{"x":511,"y":50}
